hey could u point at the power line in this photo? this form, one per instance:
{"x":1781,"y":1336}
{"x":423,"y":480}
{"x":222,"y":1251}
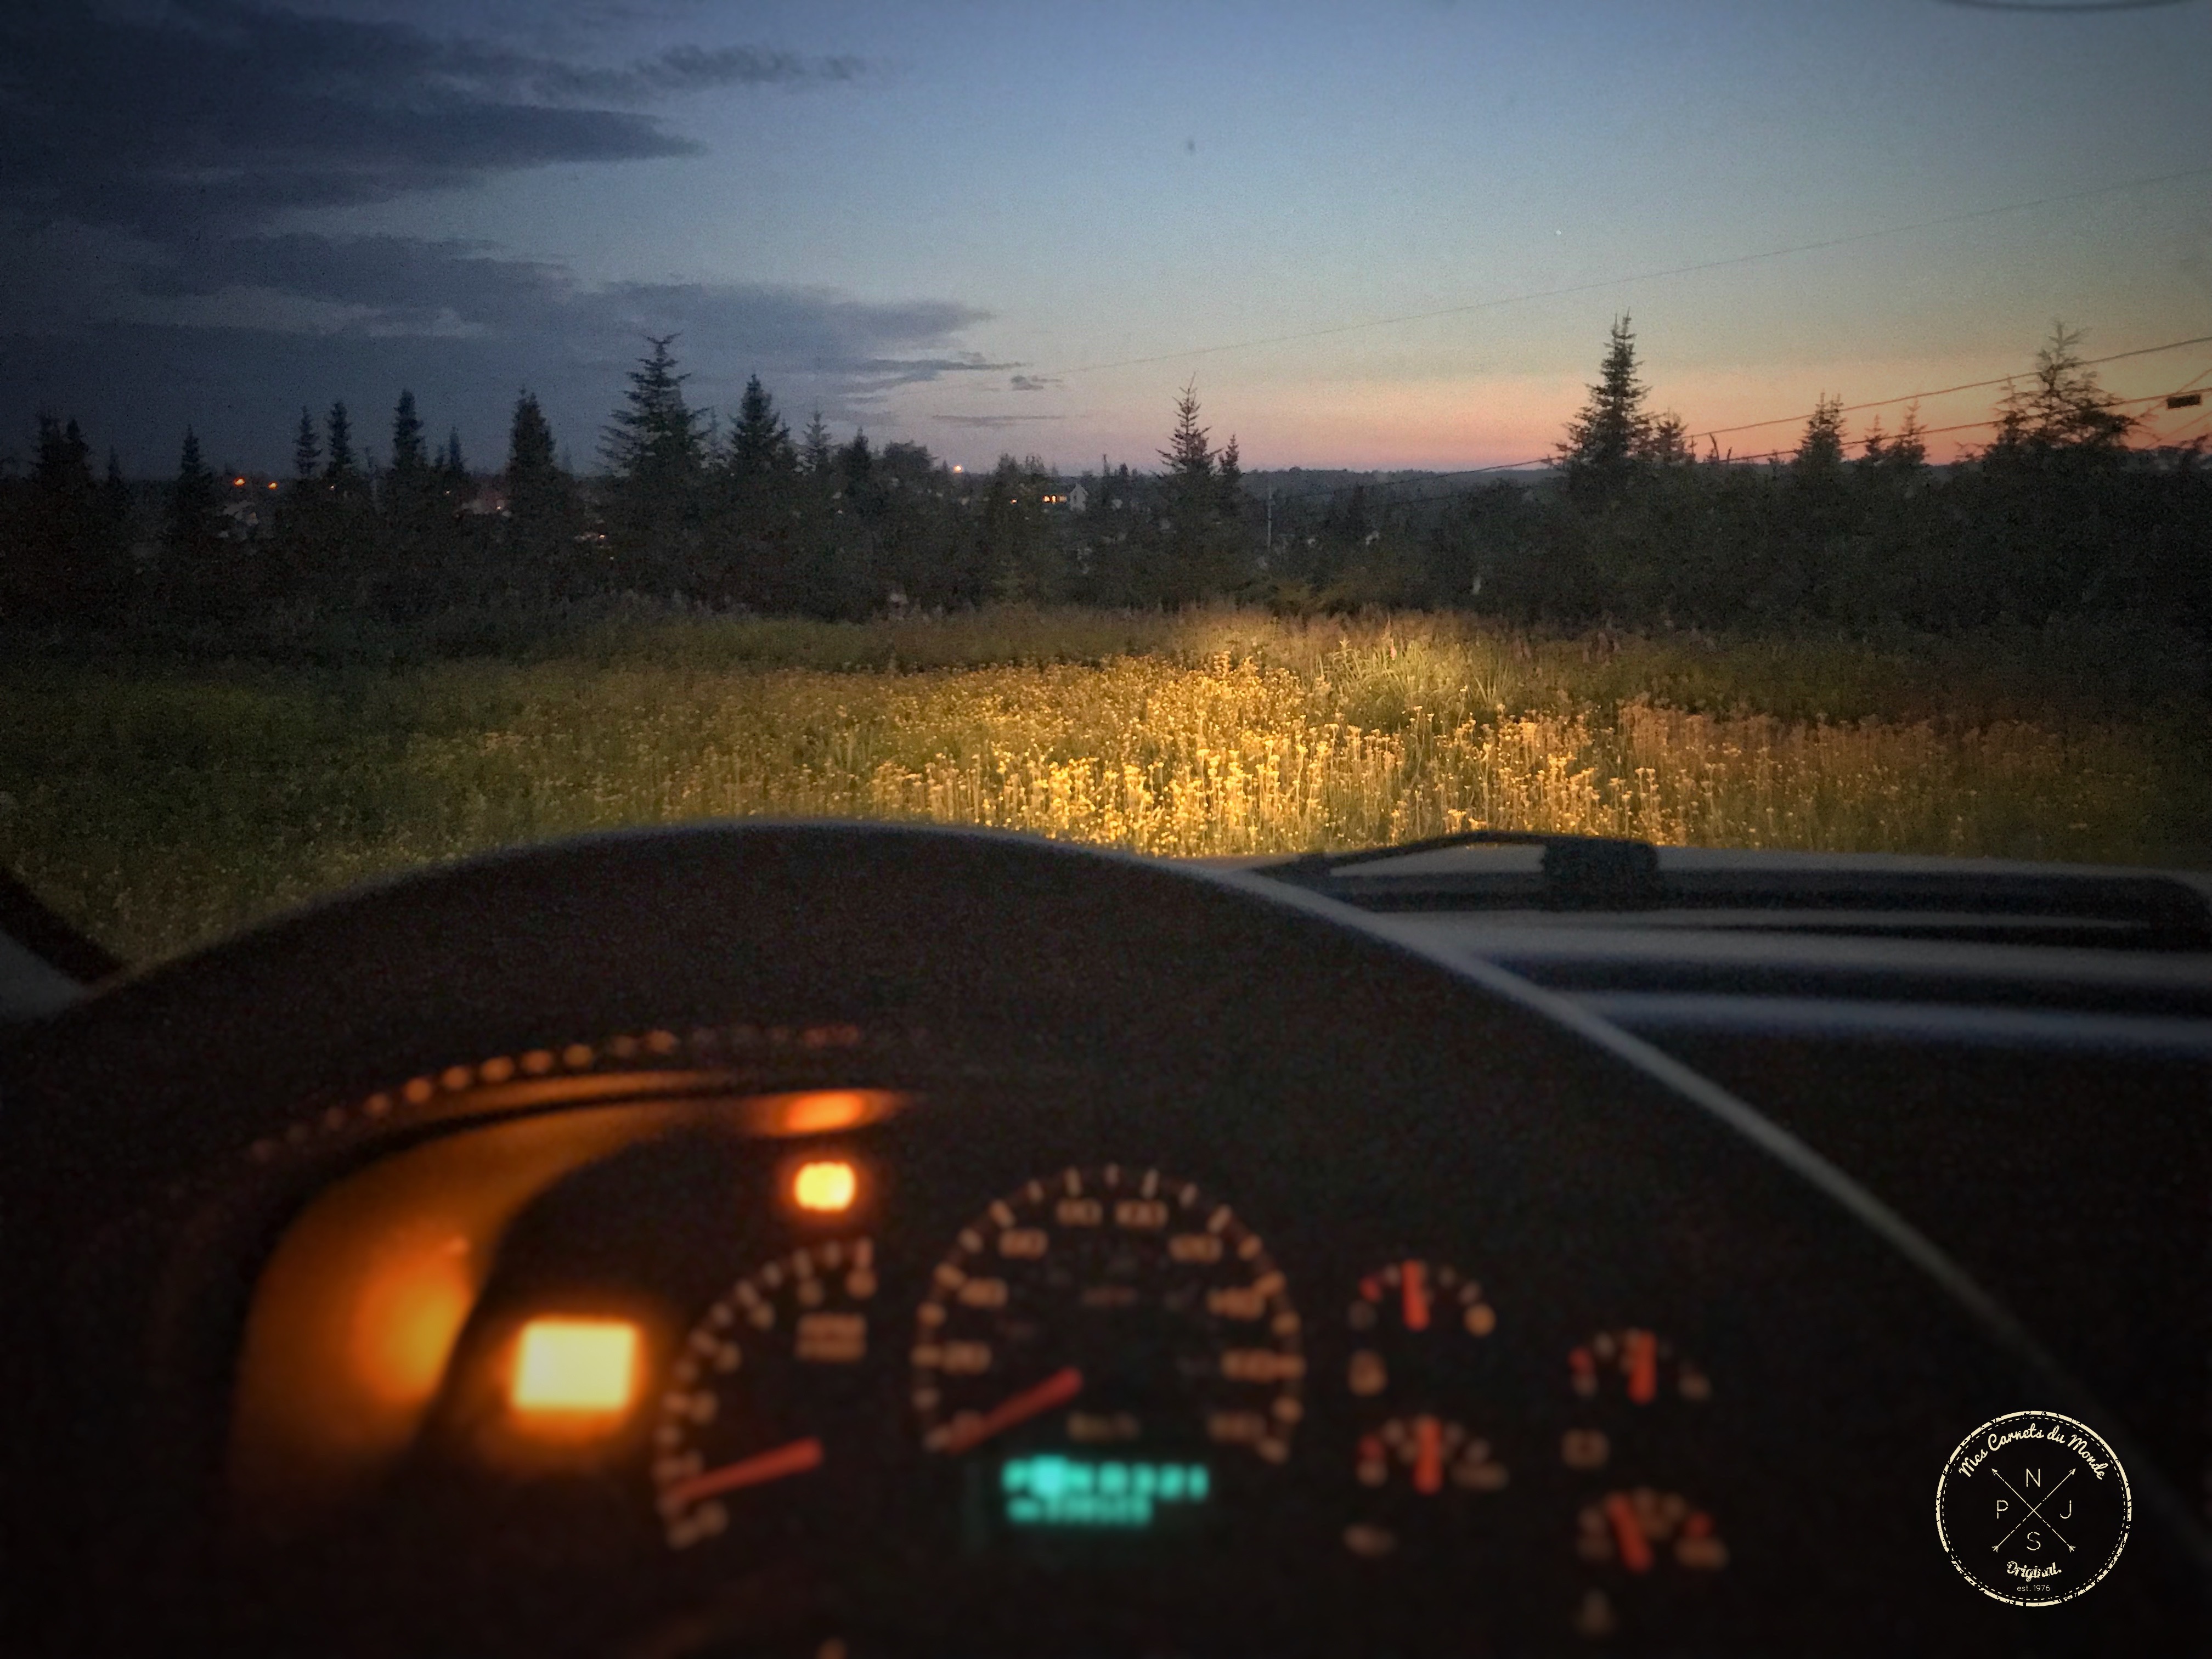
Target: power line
{"x":1784,"y":419}
{"x":1945,"y":390}
{"x":1644,"y":277}
{"x":1732,"y":460}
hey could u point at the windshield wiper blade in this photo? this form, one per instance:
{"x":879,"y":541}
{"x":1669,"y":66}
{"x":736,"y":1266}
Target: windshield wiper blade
{"x":1968,"y":899}
{"x":1579,"y":872}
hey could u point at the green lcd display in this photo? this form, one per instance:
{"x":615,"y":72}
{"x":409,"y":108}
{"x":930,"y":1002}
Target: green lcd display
{"x":1067,"y":1491}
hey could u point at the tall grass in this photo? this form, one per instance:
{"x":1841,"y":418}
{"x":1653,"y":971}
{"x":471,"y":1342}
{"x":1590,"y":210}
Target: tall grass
{"x":162,"y":805}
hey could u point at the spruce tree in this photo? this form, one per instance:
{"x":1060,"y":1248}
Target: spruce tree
{"x":1909,"y":448}
{"x":1669,"y":443}
{"x":760,"y":444}
{"x":1229,"y":477}
{"x":339,"y":429}
{"x":117,"y":515}
{"x":856,"y":461}
{"x":72,"y":573}
{"x":2063,"y":408}
{"x":816,"y":452}
{"x":1612,"y":431}
{"x":657,"y":453}
{"x":306,"y":447}
{"x":452,"y":470}
{"x":541,"y":506}
{"x":1187,"y":455}
{"x":529,"y":445}
{"x":1820,"y":450}
{"x":194,"y":503}
{"x":1200,"y":552}
{"x":407,"y":459}
{"x":654,"y":436}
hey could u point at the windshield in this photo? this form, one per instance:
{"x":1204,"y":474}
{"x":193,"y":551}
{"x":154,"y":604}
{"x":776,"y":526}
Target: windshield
{"x":1204,"y":431}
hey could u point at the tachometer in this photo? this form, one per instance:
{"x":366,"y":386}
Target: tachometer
{"x":1109,"y":1319}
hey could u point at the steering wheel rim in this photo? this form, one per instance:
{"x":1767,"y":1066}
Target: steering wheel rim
{"x":107,"y":1103}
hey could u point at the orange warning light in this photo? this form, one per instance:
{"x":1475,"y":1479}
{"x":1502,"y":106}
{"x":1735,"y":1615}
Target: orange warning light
{"x":827,"y":1186}
{"x":574,"y":1365}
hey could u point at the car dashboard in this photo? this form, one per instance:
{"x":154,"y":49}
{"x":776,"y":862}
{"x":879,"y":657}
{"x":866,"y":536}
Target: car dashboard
{"x":977,"y":1361}
{"x":1180,"y":1270}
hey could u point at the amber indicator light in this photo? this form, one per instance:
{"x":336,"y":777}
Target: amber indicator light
{"x":825,"y":1185}
{"x":574,"y":1366}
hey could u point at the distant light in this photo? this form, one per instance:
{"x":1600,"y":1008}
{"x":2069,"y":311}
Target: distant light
{"x":828,"y":1187}
{"x":574,"y":1365}
{"x":959,"y":469}
{"x":272,"y":484}
{"x":241,"y":483}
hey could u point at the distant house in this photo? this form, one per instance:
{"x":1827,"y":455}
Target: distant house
{"x":1064,"y":497}
{"x":487,"y":498}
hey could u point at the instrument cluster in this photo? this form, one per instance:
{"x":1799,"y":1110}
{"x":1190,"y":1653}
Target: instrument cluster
{"x":1100,"y":1378}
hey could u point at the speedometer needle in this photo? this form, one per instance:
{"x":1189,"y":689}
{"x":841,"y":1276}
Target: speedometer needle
{"x":1057,"y":1389}
{"x":797,"y":1458}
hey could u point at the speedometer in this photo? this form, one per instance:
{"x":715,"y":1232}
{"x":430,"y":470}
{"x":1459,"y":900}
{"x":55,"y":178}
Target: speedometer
{"x":1107,"y":1328}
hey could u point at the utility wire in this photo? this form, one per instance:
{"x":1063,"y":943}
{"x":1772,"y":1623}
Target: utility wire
{"x":1945,"y":390}
{"x":1644,"y":277}
{"x":1732,"y":460}
{"x":1784,"y":419}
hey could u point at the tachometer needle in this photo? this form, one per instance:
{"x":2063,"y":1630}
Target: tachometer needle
{"x":1413,"y":1280}
{"x":1642,"y":1367}
{"x":797,"y":1458}
{"x":1628,"y":1534}
{"x":1428,"y":1454}
{"x":1057,"y":1389}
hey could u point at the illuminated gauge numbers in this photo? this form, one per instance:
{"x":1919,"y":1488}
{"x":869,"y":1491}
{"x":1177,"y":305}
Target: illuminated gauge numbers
{"x":1422,"y":1334}
{"x":1109,"y":1332}
{"x":755,"y":1385}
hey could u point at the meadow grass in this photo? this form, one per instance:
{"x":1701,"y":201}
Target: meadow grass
{"x":163,"y":803}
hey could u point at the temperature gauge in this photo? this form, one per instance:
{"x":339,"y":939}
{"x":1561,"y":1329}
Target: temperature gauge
{"x":754,"y":1392}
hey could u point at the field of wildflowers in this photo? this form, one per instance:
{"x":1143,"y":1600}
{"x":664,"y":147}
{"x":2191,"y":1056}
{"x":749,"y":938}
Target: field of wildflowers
{"x":161,"y":805}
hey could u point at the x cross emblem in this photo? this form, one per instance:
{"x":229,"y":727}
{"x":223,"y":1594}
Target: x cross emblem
{"x":2034,"y":1510}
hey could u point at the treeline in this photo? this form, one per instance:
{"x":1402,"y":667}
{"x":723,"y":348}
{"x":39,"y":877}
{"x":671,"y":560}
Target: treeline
{"x":2061,"y":514}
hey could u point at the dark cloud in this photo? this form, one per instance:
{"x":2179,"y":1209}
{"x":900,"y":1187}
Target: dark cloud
{"x":213,"y":113}
{"x":695,"y":68}
{"x":993,"y":421}
{"x":1032,"y":382}
{"x":234,"y":334}
{"x":146,"y":279}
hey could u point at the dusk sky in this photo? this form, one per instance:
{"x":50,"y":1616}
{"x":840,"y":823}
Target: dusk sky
{"x":958,"y":224}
